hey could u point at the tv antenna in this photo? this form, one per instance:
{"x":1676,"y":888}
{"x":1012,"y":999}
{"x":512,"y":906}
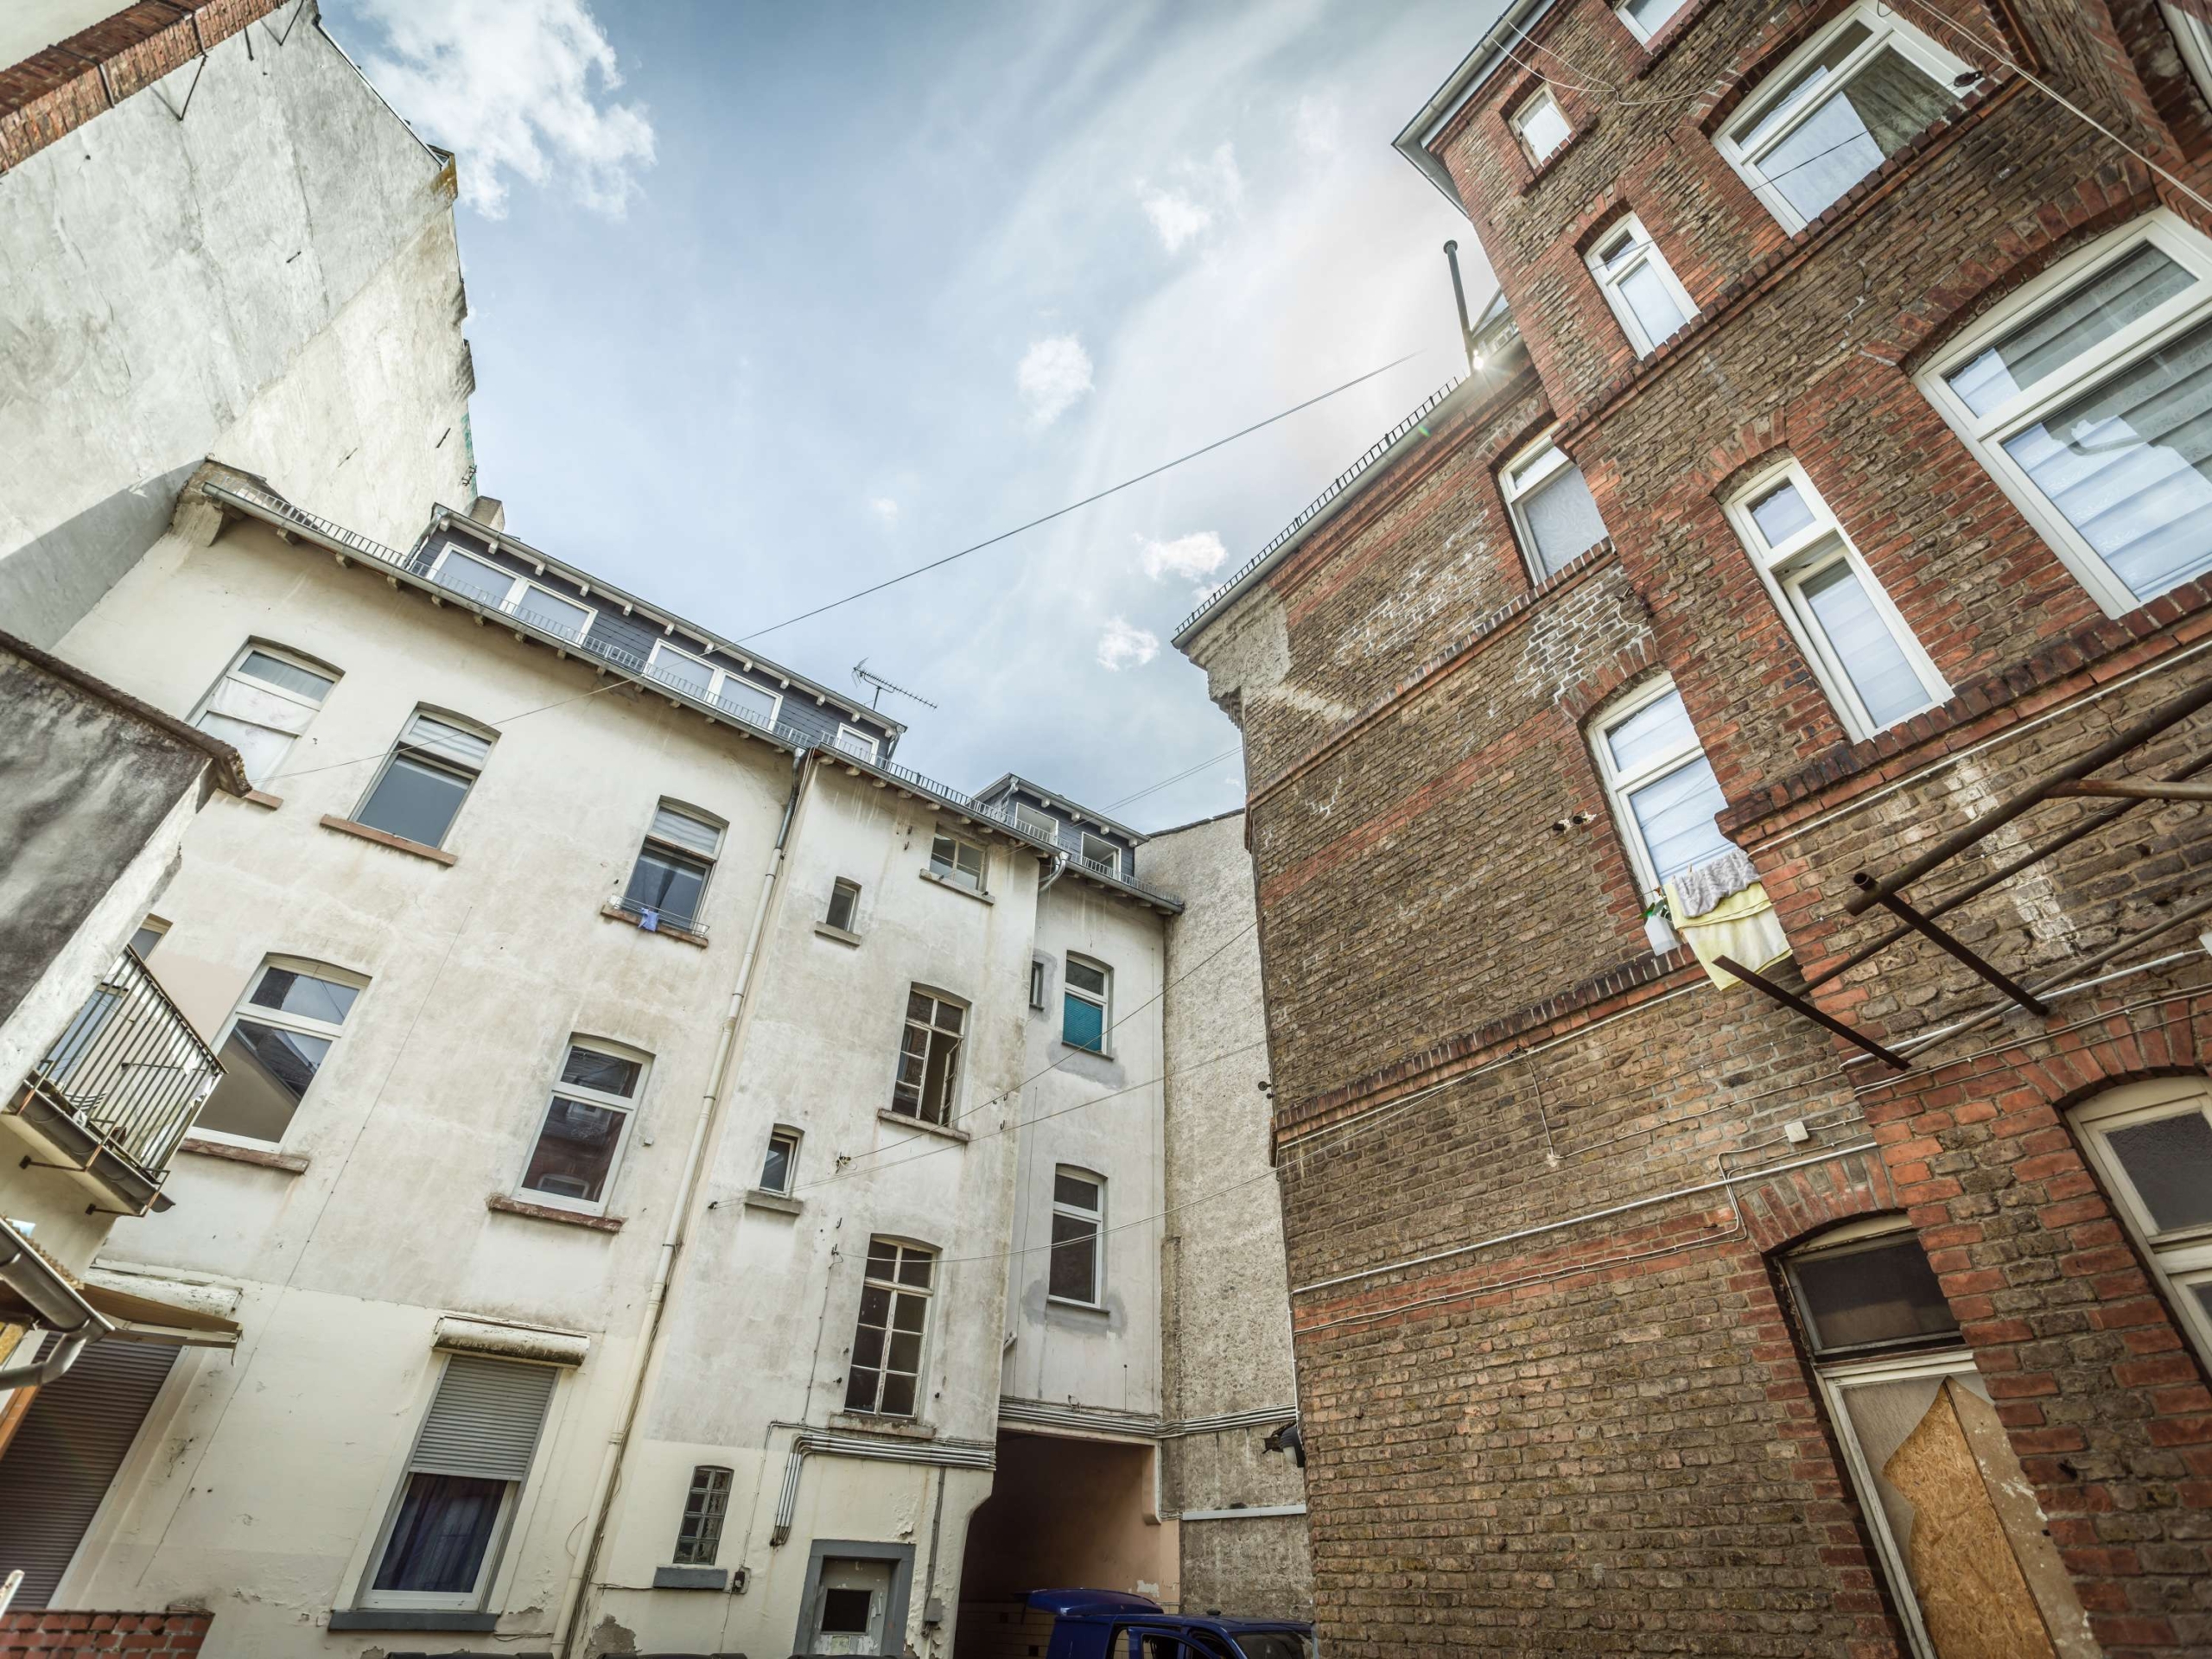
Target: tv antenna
{"x":861,"y":676}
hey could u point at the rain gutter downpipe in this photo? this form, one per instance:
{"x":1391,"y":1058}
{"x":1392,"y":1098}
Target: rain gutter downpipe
{"x":671,"y":1244}
{"x":56,"y":1301}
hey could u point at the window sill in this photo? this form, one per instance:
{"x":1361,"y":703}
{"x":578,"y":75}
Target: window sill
{"x":782,"y":1203}
{"x":667,"y":930}
{"x":944,"y":1131}
{"x":507,"y":1206}
{"x":397,"y":843}
{"x":262,"y":798}
{"x":954,"y":887}
{"x":1085,"y":1048}
{"x":290,"y":1163}
{"x":410,"y":1618}
{"x":691,"y":1578}
{"x":840,"y":934}
{"x":905,"y":1428}
{"x":1074,"y":1307}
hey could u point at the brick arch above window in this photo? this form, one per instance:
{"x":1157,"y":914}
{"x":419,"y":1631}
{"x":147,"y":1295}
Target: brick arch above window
{"x":1796,"y":1206}
{"x":1611,"y":679}
{"x":1980,"y":285}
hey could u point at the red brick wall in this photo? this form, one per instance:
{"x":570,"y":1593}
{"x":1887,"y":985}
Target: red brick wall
{"x":1549,"y":1407}
{"x":92,"y":1635}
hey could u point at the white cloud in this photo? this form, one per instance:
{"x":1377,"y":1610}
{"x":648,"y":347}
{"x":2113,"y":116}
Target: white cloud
{"x":1121,"y":646}
{"x":885,"y":509}
{"x":1187,"y":209}
{"x":514,"y":88}
{"x":1318,"y":126}
{"x":1187,"y":557}
{"x":1055,"y":373}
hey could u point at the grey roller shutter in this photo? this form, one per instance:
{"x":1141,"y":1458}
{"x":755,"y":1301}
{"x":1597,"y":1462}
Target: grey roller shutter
{"x":484,"y":1419}
{"x":65,"y":1451}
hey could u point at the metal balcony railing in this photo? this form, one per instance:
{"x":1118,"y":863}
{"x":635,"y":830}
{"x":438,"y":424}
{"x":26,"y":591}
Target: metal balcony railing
{"x":130,"y":1069}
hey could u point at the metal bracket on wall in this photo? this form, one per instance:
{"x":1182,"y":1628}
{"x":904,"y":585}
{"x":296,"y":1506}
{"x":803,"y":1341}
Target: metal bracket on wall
{"x":1797,"y":1004}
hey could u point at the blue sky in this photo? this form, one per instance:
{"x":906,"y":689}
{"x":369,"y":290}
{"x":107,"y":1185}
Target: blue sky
{"x":771,"y":301}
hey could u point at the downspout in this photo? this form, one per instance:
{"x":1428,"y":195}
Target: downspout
{"x":56,"y":1301}
{"x":672,"y":1241}
{"x":1059,"y":868}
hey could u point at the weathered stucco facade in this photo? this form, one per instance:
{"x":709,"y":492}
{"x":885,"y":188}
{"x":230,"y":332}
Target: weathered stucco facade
{"x":273,"y":280}
{"x":696,"y":1310}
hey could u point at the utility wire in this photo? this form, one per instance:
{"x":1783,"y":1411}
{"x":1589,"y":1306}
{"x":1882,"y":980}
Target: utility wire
{"x":1154,"y":789}
{"x":1072,"y":506}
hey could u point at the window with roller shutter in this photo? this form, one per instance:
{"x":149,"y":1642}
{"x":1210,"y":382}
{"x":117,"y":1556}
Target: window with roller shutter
{"x":56,"y":1471}
{"x":470,"y":1457}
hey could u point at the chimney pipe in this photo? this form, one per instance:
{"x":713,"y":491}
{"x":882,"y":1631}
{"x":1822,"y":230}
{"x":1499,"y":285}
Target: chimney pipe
{"x":1459,"y":295}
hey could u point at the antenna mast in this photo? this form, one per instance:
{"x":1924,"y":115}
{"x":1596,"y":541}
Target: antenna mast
{"x":861,"y":676}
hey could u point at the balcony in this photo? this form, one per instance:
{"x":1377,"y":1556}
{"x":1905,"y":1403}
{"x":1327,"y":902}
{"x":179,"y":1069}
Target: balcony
{"x":109,"y":1102}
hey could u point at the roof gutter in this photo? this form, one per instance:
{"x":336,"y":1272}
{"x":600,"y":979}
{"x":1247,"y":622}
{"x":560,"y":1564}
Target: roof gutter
{"x":56,"y":1301}
{"x":1474,"y":71}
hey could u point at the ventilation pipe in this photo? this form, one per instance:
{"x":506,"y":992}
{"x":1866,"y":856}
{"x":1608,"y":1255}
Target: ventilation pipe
{"x":1459,"y":295}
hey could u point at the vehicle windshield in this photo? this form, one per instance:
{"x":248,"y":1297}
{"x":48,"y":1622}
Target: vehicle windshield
{"x":1276,"y":1644}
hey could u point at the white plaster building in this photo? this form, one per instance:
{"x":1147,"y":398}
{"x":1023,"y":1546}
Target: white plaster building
{"x":684,"y":1182}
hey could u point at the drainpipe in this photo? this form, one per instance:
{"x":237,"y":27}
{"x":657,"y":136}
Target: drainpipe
{"x":57,"y":1302}
{"x":1059,"y":868}
{"x":671,"y":1245}
{"x":1459,"y":294}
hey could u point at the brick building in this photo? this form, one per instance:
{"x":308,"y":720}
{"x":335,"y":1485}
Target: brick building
{"x":1832,"y":482}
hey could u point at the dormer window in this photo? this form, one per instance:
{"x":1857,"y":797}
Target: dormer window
{"x":1036,"y":822}
{"x":1541,"y":126}
{"x":709,"y":682}
{"x":474,"y":576}
{"x":1096,"y":849}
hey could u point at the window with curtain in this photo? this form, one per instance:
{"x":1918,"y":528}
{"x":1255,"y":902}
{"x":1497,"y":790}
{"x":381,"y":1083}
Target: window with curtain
{"x":1664,"y":794}
{"x":1835,"y":110}
{"x":1865,"y":658}
{"x":1554,"y":512}
{"x":1639,"y":285}
{"x":2089,"y":396}
{"x":470,"y":1458}
{"x":668,"y":883}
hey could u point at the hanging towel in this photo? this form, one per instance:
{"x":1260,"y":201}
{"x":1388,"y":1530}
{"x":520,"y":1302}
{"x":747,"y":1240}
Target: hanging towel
{"x":1705,"y":886}
{"x":1742,"y":927}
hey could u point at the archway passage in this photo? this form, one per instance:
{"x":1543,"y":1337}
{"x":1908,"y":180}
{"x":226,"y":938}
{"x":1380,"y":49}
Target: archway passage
{"x":1063,"y":1514}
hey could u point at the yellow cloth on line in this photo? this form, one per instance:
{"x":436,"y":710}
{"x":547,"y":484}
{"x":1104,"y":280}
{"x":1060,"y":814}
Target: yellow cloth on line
{"x":1743,"y":926}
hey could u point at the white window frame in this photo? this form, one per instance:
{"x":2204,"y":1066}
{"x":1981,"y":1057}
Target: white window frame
{"x":1985,"y":435}
{"x":861,"y":746}
{"x":1103,"y":1001}
{"x":1518,"y":479}
{"x":495,"y":1549}
{"x":1885,"y":30}
{"x":983,"y":862}
{"x":510,"y":604}
{"x":1036,"y":822}
{"x":1099,"y":850}
{"x":1785,"y":568}
{"x":435,"y":760}
{"x":2181,"y":1260}
{"x":719,"y":676}
{"x":844,"y":883}
{"x":332,"y":1032}
{"x":798,"y":1140}
{"x":2194,"y":37}
{"x":1543,"y":97}
{"x":256,"y":686}
{"x":1627,"y":235}
{"x":901,"y":1247}
{"x":629,"y":1107}
{"x":1620,"y":785}
{"x":1645,"y":36}
{"x":1097,"y":1220}
{"x":956,"y":1068}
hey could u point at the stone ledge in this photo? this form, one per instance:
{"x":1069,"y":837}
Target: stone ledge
{"x":291,"y":1163}
{"x":782,"y":1203}
{"x":943,"y":1131}
{"x":842,"y":935}
{"x":384,"y":838}
{"x":262,"y":798}
{"x":507,"y":1206}
{"x":901,"y":1428}
{"x":409,"y":1618}
{"x":614,"y":912}
{"x":954,"y":887}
